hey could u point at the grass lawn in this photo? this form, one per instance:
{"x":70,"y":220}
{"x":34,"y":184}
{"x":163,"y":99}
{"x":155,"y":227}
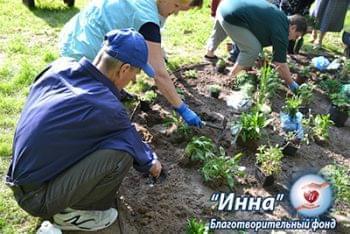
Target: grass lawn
{"x":28,"y":42}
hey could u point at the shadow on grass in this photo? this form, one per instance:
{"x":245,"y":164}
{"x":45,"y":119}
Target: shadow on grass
{"x":55,"y":16}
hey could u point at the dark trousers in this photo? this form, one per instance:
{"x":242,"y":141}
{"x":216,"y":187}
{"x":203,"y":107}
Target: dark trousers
{"x":91,"y":184}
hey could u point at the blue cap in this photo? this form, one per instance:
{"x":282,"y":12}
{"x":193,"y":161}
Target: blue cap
{"x":129,"y":46}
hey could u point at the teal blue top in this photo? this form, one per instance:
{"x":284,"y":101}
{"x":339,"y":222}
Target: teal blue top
{"x":269,"y":25}
{"x":84,"y":33}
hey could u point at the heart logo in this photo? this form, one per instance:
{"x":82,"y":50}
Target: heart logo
{"x":311,"y":196}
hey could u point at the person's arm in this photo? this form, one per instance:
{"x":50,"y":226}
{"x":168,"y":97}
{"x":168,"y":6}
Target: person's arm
{"x":280,"y":44}
{"x":285,"y":74}
{"x":162,"y":78}
{"x":166,"y":86}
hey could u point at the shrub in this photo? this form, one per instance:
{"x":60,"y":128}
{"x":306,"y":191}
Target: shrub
{"x":222,"y":169}
{"x":269,"y":159}
{"x":200,"y":149}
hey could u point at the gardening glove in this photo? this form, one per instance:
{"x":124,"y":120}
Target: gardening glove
{"x":190,"y":117}
{"x":293,"y":86}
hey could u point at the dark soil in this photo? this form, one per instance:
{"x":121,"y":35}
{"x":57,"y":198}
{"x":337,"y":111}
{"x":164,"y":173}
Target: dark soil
{"x":165,"y":207}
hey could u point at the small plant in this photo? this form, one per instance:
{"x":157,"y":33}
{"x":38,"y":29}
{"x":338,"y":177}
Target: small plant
{"x":339,"y":176}
{"x":292,"y":106}
{"x":243,"y":78}
{"x":195,"y":227}
{"x":149,"y":96}
{"x":305,"y":93}
{"x":340,"y":101}
{"x":344,"y":74}
{"x":220,"y":65}
{"x":330,"y":86}
{"x":252,"y":124}
{"x":214,"y":90}
{"x":182,"y":128}
{"x":191,"y":74}
{"x":305,"y":71}
{"x":181,"y":93}
{"x":222,"y":169}
{"x":321,"y":127}
{"x":200,"y":149}
{"x":268,"y":83}
{"x":248,"y":89}
{"x":269,"y":159}
{"x":291,"y":144}
{"x":317,"y":128}
{"x":139,"y":86}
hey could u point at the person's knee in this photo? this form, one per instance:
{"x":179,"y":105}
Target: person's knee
{"x":247,"y":58}
{"x":121,"y":163}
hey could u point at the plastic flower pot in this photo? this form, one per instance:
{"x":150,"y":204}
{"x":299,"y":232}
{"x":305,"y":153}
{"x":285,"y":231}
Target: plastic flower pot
{"x":305,"y":111}
{"x":338,"y":116}
{"x":215,"y":93}
{"x":145,"y":106}
{"x":220,"y":66}
{"x":265,"y":180}
{"x":289,"y":148}
{"x":320,"y":141}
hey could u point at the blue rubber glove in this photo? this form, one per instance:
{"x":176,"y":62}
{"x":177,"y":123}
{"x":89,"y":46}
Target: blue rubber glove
{"x":293,"y":86}
{"x":188,"y":115}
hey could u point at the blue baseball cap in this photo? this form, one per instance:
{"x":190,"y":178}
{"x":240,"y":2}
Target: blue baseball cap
{"x":129,"y":46}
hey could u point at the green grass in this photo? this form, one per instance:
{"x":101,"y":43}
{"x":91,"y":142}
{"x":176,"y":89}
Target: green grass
{"x":28,"y":42}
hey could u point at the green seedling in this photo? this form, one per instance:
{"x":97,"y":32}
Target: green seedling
{"x":181,"y":93}
{"x":182,"y":128}
{"x":305,"y":71}
{"x":195,"y":227}
{"x":191,"y":74}
{"x":341,"y":101}
{"x":269,"y":159}
{"x":344,"y":74}
{"x":243,"y":78}
{"x":149,"y":96}
{"x":200,"y":149}
{"x":322,"y":123}
{"x":305,"y":93}
{"x":339,"y":176}
{"x":268,"y":83}
{"x":220,"y":65}
{"x":252,"y":124}
{"x":140,"y":86}
{"x":292,"y":106}
{"x":214,"y":90}
{"x":330,"y":86}
{"x":222,"y":169}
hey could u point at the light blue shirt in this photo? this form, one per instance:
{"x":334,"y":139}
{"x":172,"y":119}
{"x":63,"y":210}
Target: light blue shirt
{"x":84,"y":33}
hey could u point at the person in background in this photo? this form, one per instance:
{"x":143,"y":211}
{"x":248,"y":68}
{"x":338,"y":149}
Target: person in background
{"x":330,"y":16}
{"x":83,"y":35}
{"x":253,"y":25}
{"x":74,"y":142}
{"x":292,"y":7}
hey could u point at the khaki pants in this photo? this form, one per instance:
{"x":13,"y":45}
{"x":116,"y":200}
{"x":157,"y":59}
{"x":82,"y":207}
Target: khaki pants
{"x":91,"y":184}
{"x":246,"y":41}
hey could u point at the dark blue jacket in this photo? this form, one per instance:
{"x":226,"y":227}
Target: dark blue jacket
{"x":72,"y":110}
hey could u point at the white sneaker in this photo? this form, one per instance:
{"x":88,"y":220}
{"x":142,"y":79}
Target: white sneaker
{"x":85,"y":220}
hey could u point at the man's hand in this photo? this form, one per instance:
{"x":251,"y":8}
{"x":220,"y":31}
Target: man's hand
{"x":155,"y":169}
{"x":190,"y":117}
